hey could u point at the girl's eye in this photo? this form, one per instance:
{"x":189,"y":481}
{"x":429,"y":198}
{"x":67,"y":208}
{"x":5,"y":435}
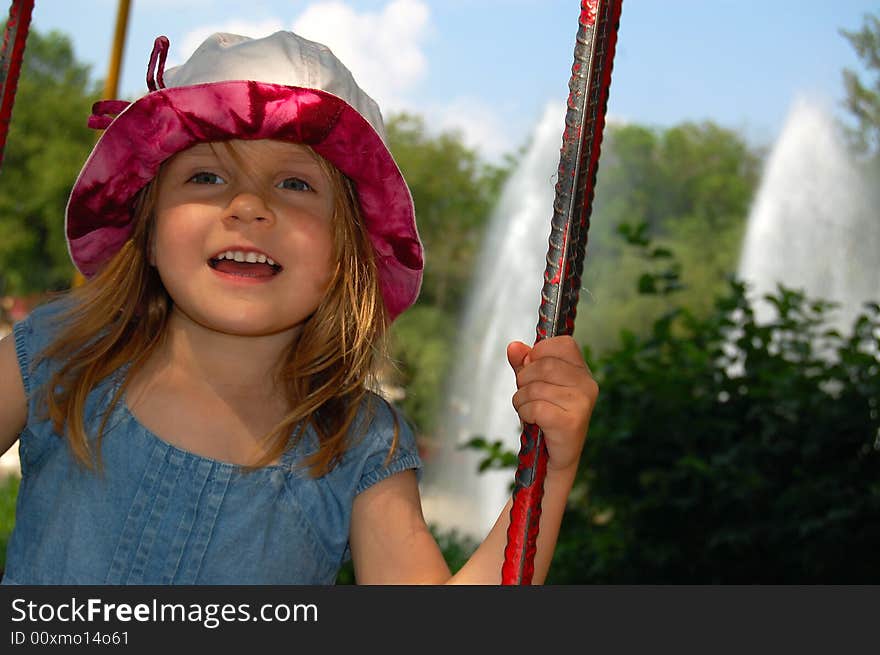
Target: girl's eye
{"x":295,"y":184}
{"x":204,"y":177}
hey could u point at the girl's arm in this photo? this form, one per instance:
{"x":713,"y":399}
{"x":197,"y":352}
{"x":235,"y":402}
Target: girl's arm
{"x":390,"y":542}
{"x":13,"y":403}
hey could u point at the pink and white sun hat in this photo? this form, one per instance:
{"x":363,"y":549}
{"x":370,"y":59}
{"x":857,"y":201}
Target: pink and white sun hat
{"x":234,"y":87}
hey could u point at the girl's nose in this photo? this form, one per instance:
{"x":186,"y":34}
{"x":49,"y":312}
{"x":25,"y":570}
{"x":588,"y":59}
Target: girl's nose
{"x":249,"y":207}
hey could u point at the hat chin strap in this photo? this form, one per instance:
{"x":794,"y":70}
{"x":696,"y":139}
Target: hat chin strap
{"x":156,"y":78}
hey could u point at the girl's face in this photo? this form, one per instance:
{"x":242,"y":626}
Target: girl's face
{"x":243,"y":239}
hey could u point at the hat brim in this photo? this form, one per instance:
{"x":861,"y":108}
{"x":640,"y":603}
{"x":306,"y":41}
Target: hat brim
{"x":152,"y":129}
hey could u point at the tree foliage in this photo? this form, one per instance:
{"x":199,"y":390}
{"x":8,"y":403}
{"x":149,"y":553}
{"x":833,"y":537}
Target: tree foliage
{"x":422,"y":338}
{"x":454,"y":193}
{"x":47,"y":143}
{"x":863,"y":97}
{"x":755,"y":467}
{"x":691,"y":187}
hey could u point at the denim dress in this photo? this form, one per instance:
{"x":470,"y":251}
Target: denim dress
{"x":159,"y":515}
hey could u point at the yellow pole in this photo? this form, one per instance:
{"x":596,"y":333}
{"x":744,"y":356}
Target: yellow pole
{"x":111,"y":84}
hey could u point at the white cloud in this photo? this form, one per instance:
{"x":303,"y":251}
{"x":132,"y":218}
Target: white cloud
{"x":383,"y":50}
{"x":480,"y":126}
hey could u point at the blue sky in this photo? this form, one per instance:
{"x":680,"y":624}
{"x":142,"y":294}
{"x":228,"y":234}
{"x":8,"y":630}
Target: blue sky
{"x":490,"y":67}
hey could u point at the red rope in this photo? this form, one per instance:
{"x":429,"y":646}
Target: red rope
{"x":10,"y":62}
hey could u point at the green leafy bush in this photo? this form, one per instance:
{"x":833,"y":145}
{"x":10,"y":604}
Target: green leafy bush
{"x":723,"y":450}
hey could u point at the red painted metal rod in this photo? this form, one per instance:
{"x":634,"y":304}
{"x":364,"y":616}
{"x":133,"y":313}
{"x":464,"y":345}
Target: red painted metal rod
{"x":11,"y":56}
{"x":578,"y":164}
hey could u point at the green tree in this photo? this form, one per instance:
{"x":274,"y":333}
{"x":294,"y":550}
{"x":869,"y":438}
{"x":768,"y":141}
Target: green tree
{"x":691,"y":186}
{"x":422,"y":339}
{"x":863,"y":97}
{"x":454,"y":193}
{"x":734,"y":453}
{"x":47,"y":143}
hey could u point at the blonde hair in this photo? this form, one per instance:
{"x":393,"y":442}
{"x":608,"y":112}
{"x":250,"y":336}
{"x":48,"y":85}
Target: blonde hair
{"x":118,"y":318}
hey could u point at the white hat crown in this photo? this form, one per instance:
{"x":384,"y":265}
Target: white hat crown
{"x":280,"y":58}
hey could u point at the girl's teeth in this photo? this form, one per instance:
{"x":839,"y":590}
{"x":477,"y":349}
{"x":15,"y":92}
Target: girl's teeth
{"x":250,"y":257}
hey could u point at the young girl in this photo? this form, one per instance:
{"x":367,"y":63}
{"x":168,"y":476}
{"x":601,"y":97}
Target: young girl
{"x":198,"y":412}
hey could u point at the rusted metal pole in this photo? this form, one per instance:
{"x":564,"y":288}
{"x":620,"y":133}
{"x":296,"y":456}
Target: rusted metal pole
{"x":578,"y":164}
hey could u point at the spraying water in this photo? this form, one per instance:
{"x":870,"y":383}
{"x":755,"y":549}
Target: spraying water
{"x":503,"y":308}
{"x":814,"y":224}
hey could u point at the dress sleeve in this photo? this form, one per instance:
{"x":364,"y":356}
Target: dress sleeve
{"x":368,"y":460}
{"x":378,"y":461}
{"x":32,"y":335}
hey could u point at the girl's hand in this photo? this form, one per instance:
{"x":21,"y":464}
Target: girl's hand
{"x":555,"y":391}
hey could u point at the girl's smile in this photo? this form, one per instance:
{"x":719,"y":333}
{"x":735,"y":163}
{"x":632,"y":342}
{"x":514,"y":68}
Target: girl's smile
{"x":243,"y":264}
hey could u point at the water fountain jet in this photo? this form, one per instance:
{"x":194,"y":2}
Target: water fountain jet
{"x":814,"y":224}
{"x":502,"y":307}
